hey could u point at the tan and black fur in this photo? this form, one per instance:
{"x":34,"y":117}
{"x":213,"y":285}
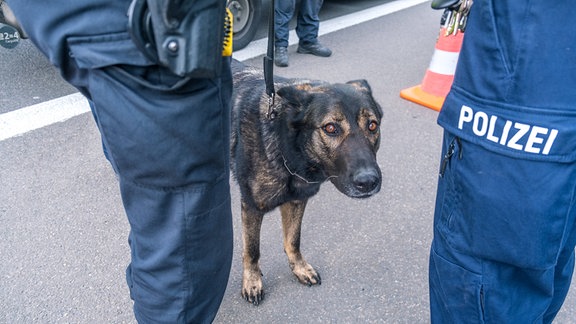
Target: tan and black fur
{"x":319,"y":132}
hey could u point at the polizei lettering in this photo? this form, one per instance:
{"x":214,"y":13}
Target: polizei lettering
{"x":515,"y":135}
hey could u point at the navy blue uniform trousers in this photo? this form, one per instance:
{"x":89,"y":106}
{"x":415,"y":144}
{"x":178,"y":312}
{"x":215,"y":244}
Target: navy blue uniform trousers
{"x":167,"y":138}
{"x":504,"y":222}
{"x":307,"y":20}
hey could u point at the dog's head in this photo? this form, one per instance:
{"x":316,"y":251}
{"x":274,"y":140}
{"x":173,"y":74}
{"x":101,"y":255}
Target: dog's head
{"x":338,"y":126}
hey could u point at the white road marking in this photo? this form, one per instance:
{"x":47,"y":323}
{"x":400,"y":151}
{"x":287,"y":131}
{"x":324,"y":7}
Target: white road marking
{"x":23,"y":120}
{"x":18,"y":122}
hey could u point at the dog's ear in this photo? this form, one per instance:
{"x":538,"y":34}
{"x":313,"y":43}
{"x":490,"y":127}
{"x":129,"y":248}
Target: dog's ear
{"x":296,"y":98}
{"x":361,"y":85}
{"x":296,"y":95}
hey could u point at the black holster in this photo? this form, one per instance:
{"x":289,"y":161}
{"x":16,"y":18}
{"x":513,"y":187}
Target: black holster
{"x":184,"y":36}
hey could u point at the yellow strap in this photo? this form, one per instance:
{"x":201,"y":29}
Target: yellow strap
{"x":228,"y":34}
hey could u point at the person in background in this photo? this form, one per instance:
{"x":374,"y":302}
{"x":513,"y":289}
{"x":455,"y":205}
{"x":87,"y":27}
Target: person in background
{"x":505,"y":216}
{"x":167,"y":138}
{"x":307,"y":25}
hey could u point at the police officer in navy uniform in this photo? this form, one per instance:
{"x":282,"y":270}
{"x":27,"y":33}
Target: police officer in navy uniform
{"x":166,"y":136}
{"x":505,"y":217}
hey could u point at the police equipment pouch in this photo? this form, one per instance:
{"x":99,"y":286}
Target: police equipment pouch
{"x":185,"y":36}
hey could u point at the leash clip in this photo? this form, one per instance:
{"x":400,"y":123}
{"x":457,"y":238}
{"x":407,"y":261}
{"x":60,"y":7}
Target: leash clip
{"x":269,"y":66}
{"x":271,"y":114}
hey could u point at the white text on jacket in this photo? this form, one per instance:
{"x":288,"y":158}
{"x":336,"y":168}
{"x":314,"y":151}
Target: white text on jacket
{"x":515,"y":135}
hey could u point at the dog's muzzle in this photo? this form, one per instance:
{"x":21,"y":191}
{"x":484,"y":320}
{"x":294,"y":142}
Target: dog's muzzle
{"x":363,"y":183}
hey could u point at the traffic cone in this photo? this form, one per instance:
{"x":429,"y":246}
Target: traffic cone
{"x":440,"y":74}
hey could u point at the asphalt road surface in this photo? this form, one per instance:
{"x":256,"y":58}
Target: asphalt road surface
{"x":63,"y":238}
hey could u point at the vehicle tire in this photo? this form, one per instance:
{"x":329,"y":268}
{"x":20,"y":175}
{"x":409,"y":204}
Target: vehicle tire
{"x":247,"y":15}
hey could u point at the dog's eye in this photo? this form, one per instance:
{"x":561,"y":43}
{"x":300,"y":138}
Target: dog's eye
{"x":373,"y":126}
{"x":330,"y":129}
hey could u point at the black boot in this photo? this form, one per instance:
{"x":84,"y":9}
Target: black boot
{"x":314,"y":49}
{"x":281,"y":56}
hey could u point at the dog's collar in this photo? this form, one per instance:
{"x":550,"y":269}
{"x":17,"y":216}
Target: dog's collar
{"x":301,"y":177}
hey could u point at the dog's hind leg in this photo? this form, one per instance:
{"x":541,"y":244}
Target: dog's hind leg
{"x":292,"y":213}
{"x":252,"y":289}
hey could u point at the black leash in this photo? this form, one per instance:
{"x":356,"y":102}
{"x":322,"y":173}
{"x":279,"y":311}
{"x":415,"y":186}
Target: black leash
{"x":269,"y":64}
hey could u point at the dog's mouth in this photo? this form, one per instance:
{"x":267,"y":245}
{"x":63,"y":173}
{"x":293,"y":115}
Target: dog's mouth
{"x":366,"y":195}
{"x":355,"y":193}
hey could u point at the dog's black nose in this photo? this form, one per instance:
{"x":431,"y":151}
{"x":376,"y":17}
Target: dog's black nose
{"x":366,"y":180}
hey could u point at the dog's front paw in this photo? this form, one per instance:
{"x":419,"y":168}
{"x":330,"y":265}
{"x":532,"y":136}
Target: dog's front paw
{"x":252,"y":290}
{"x":306,"y":273}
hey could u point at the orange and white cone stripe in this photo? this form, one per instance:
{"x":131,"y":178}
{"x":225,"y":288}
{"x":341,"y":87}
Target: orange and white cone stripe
{"x":440,"y":74}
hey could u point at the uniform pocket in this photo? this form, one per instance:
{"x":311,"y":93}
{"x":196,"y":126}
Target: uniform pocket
{"x":503,"y":208}
{"x":162,"y":130}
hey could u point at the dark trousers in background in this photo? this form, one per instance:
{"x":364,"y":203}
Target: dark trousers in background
{"x":308,"y":21}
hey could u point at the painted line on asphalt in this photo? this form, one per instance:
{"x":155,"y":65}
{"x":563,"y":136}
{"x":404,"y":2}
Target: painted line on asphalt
{"x":20,"y":121}
{"x":23,"y":120}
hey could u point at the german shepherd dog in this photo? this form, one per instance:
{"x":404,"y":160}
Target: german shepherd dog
{"x":316,"y":132}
